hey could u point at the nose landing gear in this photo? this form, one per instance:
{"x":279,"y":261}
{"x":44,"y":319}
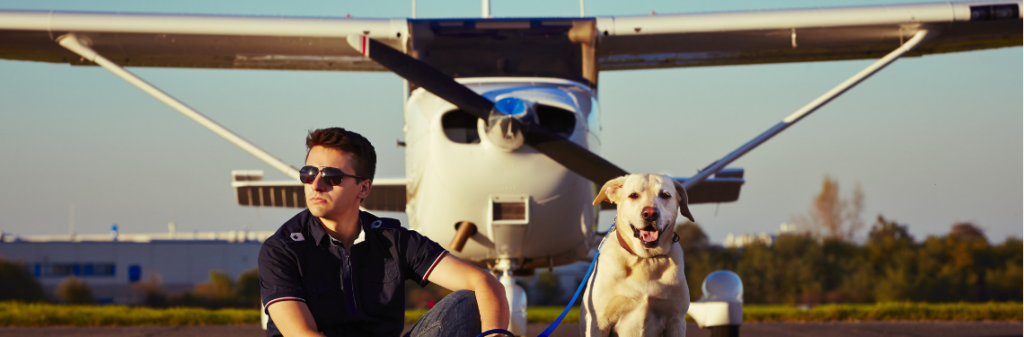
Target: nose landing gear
{"x":515,"y":295}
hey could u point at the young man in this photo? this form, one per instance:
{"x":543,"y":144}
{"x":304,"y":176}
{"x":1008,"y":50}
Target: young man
{"x":336,"y":271}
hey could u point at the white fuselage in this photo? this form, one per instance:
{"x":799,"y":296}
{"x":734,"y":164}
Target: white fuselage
{"x":452,"y":180}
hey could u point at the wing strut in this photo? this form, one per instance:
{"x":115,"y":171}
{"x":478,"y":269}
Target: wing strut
{"x":73,"y":43}
{"x":806,"y":110}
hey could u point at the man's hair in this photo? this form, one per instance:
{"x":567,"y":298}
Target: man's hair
{"x":347,"y":141}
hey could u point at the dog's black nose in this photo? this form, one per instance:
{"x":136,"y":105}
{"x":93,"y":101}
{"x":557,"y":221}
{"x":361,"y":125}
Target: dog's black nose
{"x":649,"y":214}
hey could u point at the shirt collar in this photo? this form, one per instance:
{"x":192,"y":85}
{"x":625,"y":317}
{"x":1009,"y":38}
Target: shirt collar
{"x":320,"y":234}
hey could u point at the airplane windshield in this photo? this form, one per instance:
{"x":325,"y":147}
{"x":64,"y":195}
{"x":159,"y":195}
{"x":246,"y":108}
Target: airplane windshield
{"x":559,"y":48}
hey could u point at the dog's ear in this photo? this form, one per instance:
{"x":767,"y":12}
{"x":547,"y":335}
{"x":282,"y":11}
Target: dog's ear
{"x":610,"y":190}
{"x":683,"y":200}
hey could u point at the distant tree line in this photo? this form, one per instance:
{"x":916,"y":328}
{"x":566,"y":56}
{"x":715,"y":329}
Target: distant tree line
{"x":220,"y":291}
{"x":890,"y":266}
{"x":17,"y":284}
{"x":823,"y":264}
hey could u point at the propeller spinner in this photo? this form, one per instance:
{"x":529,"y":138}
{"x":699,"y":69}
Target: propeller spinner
{"x":505,"y":124}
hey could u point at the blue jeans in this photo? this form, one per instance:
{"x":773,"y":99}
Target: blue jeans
{"x":457,"y":315}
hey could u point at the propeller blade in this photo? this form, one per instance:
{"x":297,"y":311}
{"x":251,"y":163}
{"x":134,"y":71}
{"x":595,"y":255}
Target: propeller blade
{"x":571,"y":155}
{"x":423,"y":75}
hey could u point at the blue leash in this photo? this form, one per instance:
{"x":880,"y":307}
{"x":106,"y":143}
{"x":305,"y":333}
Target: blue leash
{"x":572,"y":301}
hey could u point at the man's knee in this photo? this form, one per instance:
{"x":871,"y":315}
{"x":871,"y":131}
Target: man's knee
{"x":461,"y":303}
{"x":461,"y":298}
{"x":462,"y":295}
{"x":455,"y":315}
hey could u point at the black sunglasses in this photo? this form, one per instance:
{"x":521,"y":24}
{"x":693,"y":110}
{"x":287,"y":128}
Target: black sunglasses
{"x":331,"y":175}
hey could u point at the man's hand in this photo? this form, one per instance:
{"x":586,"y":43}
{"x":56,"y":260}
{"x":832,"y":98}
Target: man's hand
{"x":293,"y":318}
{"x":454,"y":274}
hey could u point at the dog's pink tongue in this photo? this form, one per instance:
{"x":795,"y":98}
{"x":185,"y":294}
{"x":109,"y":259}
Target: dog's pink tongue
{"x":649,"y":236}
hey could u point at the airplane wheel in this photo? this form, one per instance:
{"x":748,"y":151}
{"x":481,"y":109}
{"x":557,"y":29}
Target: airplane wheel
{"x":725,"y":331}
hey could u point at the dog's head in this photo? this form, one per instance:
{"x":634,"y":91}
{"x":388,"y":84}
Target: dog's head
{"x":646,"y":206}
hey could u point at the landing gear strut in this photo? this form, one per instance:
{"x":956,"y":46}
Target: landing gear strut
{"x":515,"y":295}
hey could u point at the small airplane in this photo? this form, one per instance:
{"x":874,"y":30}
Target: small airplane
{"x":502,"y":126}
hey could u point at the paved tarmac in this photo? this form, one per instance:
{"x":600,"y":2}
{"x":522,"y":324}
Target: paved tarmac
{"x":825,"y":329}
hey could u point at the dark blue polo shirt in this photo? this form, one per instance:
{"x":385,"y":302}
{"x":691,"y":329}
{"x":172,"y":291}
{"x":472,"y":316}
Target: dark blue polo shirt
{"x":356,"y":293}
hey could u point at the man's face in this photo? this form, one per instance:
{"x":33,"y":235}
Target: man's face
{"x":328,"y":201}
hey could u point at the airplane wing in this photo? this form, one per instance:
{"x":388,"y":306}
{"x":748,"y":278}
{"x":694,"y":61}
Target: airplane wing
{"x":388,"y":194}
{"x":724,"y":186}
{"x":624,"y":42}
{"x":252,"y":190}
{"x":196,"y":41}
{"x":754,"y":37}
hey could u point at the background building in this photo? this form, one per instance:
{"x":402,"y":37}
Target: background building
{"x":112,"y":264}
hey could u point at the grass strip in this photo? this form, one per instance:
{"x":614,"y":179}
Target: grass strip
{"x":533,"y":315}
{"x":44,"y":314}
{"x":891,"y":311}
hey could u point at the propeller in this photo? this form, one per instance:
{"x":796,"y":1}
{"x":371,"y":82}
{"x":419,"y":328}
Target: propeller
{"x":510,"y":123}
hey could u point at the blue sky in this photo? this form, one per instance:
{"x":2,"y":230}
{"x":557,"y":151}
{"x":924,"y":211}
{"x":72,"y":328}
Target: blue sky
{"x":932,"y":140}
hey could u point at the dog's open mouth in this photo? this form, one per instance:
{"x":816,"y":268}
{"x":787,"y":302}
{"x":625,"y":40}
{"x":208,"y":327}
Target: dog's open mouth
{"x":647,"y":235}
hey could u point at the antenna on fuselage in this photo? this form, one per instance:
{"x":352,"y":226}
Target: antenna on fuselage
{"x":581,"y":8}
{"x":414,"y":8}
{"x":486,"y":12}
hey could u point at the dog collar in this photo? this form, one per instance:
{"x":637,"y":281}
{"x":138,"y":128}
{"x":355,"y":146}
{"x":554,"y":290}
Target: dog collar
{"x":624,"y":245}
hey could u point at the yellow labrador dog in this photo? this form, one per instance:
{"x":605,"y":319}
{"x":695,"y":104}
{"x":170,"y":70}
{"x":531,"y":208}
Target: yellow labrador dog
{"x":638,"y":287}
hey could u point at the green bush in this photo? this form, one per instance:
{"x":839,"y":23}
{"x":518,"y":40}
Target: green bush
{"x":17,"y":284}
{"x":221,"y":292}
{"x":548,"y":290}
{"x":153,"y":295}
{"x":73,"y":291}
{"x":248,"y":288}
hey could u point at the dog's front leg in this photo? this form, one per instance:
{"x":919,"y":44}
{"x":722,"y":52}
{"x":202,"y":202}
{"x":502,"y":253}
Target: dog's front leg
{"x":588,"y":319}
{"x":588,"y":322}
{"x":588,"y":316}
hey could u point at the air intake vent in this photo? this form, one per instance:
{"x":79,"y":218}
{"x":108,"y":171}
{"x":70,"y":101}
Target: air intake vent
{"x":509,"y":211}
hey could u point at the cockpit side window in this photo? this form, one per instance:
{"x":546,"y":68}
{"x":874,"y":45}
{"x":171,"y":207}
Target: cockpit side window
{"x":460,"y":127}
{"x":557,"y":120}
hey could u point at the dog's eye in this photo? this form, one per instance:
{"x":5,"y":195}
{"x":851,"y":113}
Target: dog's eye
{"x":634,"y":195}
{"x":664,"y":195}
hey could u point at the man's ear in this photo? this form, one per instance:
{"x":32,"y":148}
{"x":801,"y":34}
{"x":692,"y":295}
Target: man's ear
{"x":610,"y":191}
{"x":364,"y":188}
{"x":683,"y":200}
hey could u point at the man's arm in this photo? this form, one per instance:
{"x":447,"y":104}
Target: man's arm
{"x":282,"y":292}
{"x":293,"y":318}
{"x":454,"y":274}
